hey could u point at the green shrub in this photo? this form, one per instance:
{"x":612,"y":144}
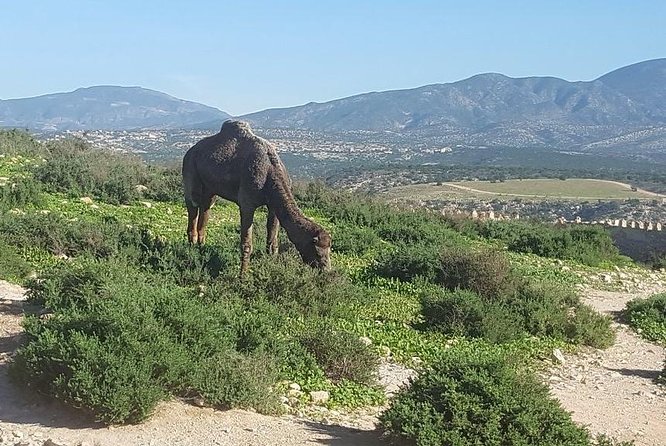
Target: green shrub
{"x":119,"y":341}
{"x":465,"y":313}
{"x":354,"y":240}
{"x":486,"y":272}
{"x":481,"y":400}
{"x":408,"y":262}
{"x":534,"y":309}
{"x":588,"y":327}
{"x":297,"y":289}
{"x":20,"y":193}
{"x":19,"y":142}
{"x":183,"y":263}
{"x":341,"y":355}
{"x":588,"y":245}
{"x":58,"y":236}
{"x":12,"y":265}
{"x":74,"y":168}
{"x":648,"y":316}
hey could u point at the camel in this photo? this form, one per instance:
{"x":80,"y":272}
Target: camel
{"x":243,"y":168}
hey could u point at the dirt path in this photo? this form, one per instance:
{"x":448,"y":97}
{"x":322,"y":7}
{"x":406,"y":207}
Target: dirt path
{"x":613,"y":391}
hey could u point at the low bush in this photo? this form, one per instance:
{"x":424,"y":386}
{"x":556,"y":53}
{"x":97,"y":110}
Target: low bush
{"x":648,"y":317}
{"x":486,"y":272}
{"x":19,"y":142}
{"x":297,"y":289}
{"x":465,"y":313}
{"x":20,"y":193}
{"x":588,"y":245}
{"x":72,"y":167}
{"x":481,"y":399}
{"x":58,"y":236}
{"x":354,"y":240}
{"x":534,"y":309}
{"x":341,"y":355}
{"x":407,"y":262}
{"x":119,"y":341}
{"x":12,"y":265}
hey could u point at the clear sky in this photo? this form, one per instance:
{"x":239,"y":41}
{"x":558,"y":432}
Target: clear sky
{"x":243,"y":56}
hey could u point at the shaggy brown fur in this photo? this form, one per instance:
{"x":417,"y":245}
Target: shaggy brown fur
{"x":239,"y":166}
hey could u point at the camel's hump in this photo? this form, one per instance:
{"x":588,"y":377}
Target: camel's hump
{"x":240,"y":128}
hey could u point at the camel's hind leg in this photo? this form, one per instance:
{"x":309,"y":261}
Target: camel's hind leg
{"x":192,"y":217}
{"x":204,"y":214}
{"x":272,"y":229}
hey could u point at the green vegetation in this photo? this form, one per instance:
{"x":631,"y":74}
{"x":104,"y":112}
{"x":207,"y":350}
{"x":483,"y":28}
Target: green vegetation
{"x":648,"y":317}
{"x":132,"y":315}
{"x":480,"y":399}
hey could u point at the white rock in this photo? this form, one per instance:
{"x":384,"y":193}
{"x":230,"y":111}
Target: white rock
{"x":320,"y":396}
{"x":365,"y":340}
{"x":86,"y":200}
{"x":558,"y":356}
{"x":295,"y":386}
{"x":147,"y":204}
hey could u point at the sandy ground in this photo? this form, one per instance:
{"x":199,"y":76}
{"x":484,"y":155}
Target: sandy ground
{"x":611,"y":391}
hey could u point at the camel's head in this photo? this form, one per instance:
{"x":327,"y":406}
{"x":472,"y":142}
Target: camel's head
{"x":317,"y":250}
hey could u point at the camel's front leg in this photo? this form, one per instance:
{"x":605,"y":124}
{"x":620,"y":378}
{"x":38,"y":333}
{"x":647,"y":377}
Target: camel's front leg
{"x":192,"y":217}
{"x":272,"y":229}
{"x":247,"y":217}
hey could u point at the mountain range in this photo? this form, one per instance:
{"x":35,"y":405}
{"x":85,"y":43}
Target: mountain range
{"x":633,"y":95}
{"x":621,"y":110}
{"x":108,"y":108}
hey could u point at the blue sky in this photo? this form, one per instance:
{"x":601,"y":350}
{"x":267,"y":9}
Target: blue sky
{"x":244,"y":56}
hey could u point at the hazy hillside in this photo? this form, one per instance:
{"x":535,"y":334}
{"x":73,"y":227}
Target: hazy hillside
{"x":105,"y":107}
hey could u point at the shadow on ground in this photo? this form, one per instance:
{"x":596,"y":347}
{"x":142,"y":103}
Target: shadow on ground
{"x":345,"y":436}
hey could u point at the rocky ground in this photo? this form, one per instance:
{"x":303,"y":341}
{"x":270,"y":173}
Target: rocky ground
{"x":612,"y":391}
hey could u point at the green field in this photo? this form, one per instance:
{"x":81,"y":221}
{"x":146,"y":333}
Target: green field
{"x":583,"y":189}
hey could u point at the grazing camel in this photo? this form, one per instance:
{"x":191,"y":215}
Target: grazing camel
{"x":239,"y":166}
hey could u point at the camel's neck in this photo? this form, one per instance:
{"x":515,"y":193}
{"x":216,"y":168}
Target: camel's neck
{"x":298,"y":227}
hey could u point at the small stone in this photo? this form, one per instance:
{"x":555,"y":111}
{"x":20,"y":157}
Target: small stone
{"x":86,"y":200}
{"x":293,"y":393}
{"x":140,"y":188}
{"x":198,"y":401}
{"x":558,"y":356}
{"x":365,"y":340}
{"x":295,"y":386}
{"x":147,"y":204}
{"x":284,"y":400}
{"x":319,"y":396}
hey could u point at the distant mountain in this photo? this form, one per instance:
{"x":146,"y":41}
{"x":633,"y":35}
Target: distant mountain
{"x":496,"y":109}
{"x":106,"y":107}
